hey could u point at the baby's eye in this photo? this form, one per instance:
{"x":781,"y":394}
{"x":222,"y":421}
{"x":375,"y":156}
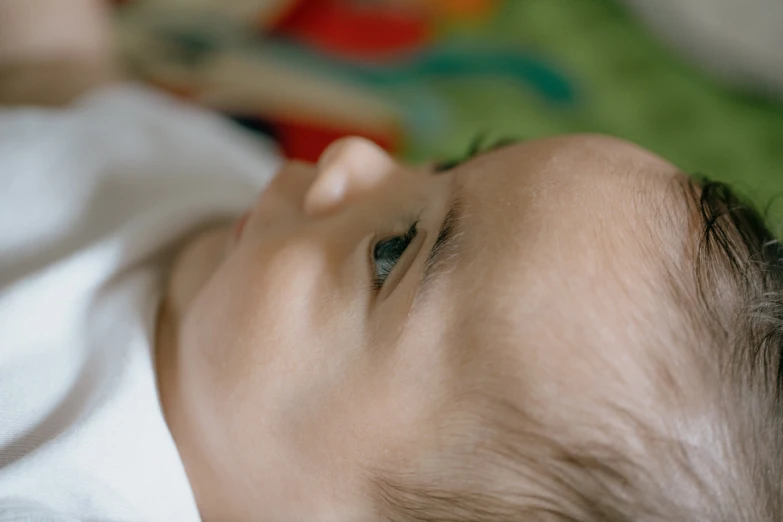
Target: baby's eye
{"x":387,"y":253}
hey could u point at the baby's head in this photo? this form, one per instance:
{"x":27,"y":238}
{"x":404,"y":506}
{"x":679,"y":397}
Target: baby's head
{"x":567,"y":329}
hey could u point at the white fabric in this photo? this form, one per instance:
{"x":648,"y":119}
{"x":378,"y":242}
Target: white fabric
{"x":93,"y":199}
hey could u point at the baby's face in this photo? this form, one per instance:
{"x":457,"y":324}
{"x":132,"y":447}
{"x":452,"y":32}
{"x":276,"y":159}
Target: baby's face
{"x":346,"y":325}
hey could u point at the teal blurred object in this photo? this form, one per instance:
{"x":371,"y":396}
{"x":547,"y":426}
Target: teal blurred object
{"x":448,"y":60}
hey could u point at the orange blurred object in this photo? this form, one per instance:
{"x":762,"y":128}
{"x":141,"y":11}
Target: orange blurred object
{"x":466,"y":8}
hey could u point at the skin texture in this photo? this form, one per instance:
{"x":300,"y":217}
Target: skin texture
{"x":288,"y":380}
{"x":285,"y":376}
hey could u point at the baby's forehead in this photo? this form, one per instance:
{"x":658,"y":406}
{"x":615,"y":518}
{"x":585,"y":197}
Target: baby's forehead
{"x":569,"y":292}
{"x":565,"y":196}
{"x":570,"y":215}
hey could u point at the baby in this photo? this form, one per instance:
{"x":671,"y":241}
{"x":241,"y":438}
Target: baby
{"x":568,"y":329}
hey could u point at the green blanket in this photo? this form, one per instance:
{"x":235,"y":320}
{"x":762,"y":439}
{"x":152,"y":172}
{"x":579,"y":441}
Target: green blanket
{"x":624,"y":83}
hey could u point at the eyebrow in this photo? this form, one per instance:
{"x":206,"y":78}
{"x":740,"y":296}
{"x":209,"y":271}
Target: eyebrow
{"x":442,"y":255}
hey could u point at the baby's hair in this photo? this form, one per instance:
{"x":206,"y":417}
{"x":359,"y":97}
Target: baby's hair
{"x":737,"y":317}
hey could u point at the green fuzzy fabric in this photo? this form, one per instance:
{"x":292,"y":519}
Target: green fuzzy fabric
{"x":627,"y":84}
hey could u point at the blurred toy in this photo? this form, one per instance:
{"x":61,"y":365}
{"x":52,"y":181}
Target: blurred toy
{"x":353,"y":30}
{"x":378,"y":29}
{"x":313,"y":71}
{"x":212,"y":53}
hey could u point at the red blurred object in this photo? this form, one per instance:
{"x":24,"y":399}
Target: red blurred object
{"x":347,"y":28}
{"x":306,"y":141}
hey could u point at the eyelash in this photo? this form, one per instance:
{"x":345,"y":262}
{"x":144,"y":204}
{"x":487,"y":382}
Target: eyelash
{"x":384,"y":268}
{"x":478,"y":145}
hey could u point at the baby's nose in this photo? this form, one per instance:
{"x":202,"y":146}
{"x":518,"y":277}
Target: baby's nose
{"x":347,"y":168}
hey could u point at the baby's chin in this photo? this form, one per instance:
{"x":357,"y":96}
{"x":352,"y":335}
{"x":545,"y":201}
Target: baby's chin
{"x":194,"y":264}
